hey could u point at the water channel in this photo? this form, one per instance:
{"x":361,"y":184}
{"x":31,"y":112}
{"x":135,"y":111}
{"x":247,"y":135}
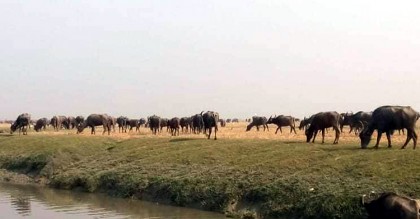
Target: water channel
{"x":27,"y":201}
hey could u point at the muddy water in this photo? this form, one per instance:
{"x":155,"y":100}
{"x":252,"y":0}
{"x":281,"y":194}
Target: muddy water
{"x":23,"y":201}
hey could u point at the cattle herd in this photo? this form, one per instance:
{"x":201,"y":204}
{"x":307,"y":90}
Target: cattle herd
{"x":385,"y":119}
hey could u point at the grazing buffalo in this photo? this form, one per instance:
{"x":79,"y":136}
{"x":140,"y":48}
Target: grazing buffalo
{"x":321,"y":121}
{"x":41,"y":124}
{"x":21,"y":124}
{"x":222,"y":123}
{"x":185,"y":122}
{"x":228,"y":120}
{"x":94,"y":120}
{"x":281,"y":121}
{"x":122,"y":122}
{"x":197,"y":123}
{"x":392,"y":206}
{"x":387,"y":119}
{"x":154,"y":123}
{"x":257,"y":121}
{"x":235,"y":120}
{"x":173,"y":124}
{"x":210,"y":120}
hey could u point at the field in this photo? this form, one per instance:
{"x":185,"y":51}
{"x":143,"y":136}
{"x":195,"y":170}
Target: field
{"x":242,"y":173}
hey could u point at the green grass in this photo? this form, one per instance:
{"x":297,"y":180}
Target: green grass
{"x":271,"y":177}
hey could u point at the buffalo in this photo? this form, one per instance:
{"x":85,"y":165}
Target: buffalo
{"x":392,"y":206}
{"x":164,"y":123}
{"x":94,"y":120}
{"x":22,"y":123}
{"x":173,"y":124}
{"x":79,"y":120}
{"x":122,"y":122}
{"x":257,"y":121}
{"x":281,"y":121}
{"x":321,"y":121}
{"x":154,"y":123}
{"x":210,"y":120}
{"x":387,"y":119}
{"x":235,"y":120}
{"x":41,"y":124}
{"x":197,"y":123}
{"x":134,"y":123}
{"x":355,"y":121}
{"x":185,"y":122}
{"x":304,"y":124}
{"x":58,"y":122}
{"x":222,"y":123}
{"x":71,"y":122}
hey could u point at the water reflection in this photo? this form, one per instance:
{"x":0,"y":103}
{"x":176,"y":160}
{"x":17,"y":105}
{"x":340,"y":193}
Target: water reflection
{"x":23,"y":201}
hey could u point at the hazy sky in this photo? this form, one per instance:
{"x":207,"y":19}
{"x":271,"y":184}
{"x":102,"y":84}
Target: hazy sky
{"x":177,"y":58}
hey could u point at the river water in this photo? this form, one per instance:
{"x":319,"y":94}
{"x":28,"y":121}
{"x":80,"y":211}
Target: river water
{"x":25,"y":201}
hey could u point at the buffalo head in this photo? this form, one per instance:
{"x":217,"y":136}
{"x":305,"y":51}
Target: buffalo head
{"x":309,"y":135}
{"x":12,"y":128}
{"x":80,"y":128}
{"x":365,"y":137}
{"x":248,"y":127}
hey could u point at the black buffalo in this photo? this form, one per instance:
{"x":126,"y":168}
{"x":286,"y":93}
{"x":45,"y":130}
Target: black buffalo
{"x":154,"y":123}
{"x":387,"y":119}
{"x":173,"y":124}
{"x":41,"y":124}
{"x":257,"y":121}
{"x":94,"y":120}
{"x":134,"y":123}
{"x":197,"y":123}
{"x":122,"y":122}
{"x":305,"y":122}
{"x":222,"y":123}
{"x":21,"y":124}
{"x":185,"y":122}
{"x":210,"y":120}
{"x":321,"y":121}
{"x":356,"y":121}
{"x":164,"y":123}
{"x":58,"y":122}
{"x":71,"y":121}
{"x":79,"y":120}
{"x":392,"y":206}
{"x":281,"y":121}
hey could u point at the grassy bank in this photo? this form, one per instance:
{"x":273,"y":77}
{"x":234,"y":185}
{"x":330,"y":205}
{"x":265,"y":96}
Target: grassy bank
{"x":274,"y":178}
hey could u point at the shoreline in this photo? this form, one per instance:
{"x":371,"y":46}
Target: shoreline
{"x":240,"y":178}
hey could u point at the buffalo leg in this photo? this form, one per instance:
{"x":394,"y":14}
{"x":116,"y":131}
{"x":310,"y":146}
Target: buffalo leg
{"x":323,"y":135}
{"x":294,"y":129}
{"x":414,"y":139}
{"x":267,"y":128}
{"x":277,"y":129}
{"x":208,"y":137}
{"x":215,"y":131}
{"x":378,"y":139}
{"x":315,"y":133}
{"x":409,"y":137}
{"x":388,"y":136}
{"x":337,"y":134}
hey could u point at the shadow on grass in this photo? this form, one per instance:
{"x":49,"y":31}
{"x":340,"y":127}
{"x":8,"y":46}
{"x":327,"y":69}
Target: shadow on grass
{"x":5,"y":135}
{"x":295,"y":142}
{"x":182,"y":139}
